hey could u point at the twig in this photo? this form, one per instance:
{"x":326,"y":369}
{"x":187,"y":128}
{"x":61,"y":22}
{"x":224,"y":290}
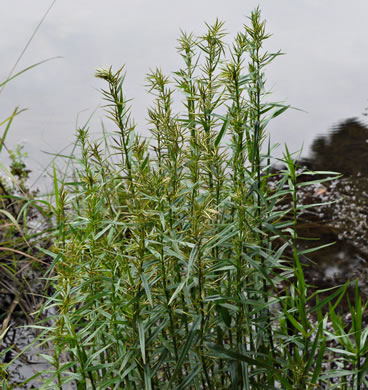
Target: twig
{"x":4,"y":327}
{"x":24,"y":254}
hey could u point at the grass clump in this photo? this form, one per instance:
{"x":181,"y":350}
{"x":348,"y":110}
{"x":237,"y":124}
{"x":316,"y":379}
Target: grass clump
{"x":167,"y":273}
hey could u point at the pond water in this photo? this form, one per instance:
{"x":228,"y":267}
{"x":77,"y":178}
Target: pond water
{"x":343,"y":219}
{"x":323,"y":71}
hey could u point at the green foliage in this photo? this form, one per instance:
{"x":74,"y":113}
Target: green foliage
{"x":18,"y":166}
{"x":169,"y":273}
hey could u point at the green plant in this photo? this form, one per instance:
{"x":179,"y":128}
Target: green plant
{"x":349,"y":345}
{"x":18,"y":166}
{"x":167,"y":261}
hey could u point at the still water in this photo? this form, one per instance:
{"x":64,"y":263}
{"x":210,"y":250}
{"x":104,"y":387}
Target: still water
{"x":324,"y":71}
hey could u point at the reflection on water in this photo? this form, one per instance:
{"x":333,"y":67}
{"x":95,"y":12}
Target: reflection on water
{"x":344,"y":150}
{"x":345,"y":221}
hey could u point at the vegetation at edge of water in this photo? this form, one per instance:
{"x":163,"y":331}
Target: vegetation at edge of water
{"x":166,"y":270}
{"x":19,"y":255}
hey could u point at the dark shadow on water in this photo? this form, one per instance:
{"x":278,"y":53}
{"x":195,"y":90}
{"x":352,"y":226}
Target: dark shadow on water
{"x":344,"y":149}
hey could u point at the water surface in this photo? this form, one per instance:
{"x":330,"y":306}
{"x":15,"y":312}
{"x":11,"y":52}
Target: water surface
{"x":324,"y":71}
